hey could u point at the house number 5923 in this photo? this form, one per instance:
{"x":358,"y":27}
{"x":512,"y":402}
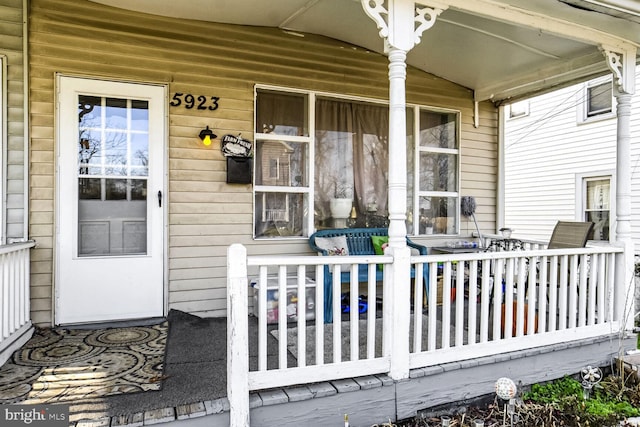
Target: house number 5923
{"x":201,"y":102}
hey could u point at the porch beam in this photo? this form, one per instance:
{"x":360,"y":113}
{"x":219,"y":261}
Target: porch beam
{"x":579,"y":69}
{"x":551,"y":24}
{"x":545,"y":79}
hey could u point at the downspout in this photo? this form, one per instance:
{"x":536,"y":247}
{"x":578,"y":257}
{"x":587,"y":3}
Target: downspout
{"x":26,"y":131}
{"x":500,"y":197}
{"x":4,"y":149}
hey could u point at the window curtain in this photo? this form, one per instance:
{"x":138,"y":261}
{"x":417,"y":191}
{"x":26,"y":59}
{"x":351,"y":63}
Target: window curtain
{"x":598,"y":207}
{"x":352,"y":156}
{"x":282,"y":114}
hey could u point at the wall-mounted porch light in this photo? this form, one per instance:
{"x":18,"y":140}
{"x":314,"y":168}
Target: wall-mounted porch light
{"x":206,"y":135}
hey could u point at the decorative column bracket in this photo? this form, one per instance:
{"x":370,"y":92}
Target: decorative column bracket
{"x":622,"y":64}
{"x":402,"y":22}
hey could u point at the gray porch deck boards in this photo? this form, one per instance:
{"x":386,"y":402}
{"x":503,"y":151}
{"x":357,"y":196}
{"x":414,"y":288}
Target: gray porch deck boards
{"x":376,"y":399}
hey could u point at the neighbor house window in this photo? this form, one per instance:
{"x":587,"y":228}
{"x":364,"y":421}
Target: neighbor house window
{"x":597,"y":205}
{"x":519,"y":109}
{"x":598,"y":99}
{"x":322,"y":161}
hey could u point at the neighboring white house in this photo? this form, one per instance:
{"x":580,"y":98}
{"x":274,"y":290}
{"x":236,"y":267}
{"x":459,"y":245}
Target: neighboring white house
{"x":560,"y":160}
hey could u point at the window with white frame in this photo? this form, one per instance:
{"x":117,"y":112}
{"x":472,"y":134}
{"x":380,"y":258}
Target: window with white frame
{"x":437,"y":172}
{"x":597,"y":205}
{"x":518,"y":109}
{"x":321,"y":161}
{"x":598,"y":99}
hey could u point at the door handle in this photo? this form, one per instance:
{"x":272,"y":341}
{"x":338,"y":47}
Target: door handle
{"x":159,"y":199}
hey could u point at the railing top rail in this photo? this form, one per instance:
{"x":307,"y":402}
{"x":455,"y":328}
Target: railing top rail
{"x":293,"y":260}
{"x":13,"y":247}
{"x":466,"y":256}
{"x":317,"y":260}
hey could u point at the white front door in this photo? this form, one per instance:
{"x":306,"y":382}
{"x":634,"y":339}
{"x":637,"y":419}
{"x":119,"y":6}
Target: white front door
{"x":110,"y":201}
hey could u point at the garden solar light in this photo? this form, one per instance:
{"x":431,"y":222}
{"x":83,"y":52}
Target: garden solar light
{"x":506,"y":390}
{"x":590,"y":377}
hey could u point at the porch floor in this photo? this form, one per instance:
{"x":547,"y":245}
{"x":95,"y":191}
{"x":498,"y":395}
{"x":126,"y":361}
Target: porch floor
{"x":194,"y":383}
{"x":194,"y":371}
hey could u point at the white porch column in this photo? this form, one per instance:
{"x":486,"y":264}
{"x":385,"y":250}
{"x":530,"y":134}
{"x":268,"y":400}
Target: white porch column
{"x":401,"y":24}
{"x":237,"y":336}
{"x":397,"y":335}
{"x":397,"y":148}
{"x":622,"y":64}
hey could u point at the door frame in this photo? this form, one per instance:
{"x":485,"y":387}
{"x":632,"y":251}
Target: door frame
{"x":57,"y":187}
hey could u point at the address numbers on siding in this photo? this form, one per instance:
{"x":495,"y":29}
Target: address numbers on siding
{"x":200,"y":102}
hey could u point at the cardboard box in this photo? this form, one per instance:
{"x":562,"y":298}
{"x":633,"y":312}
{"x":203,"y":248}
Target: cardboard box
{"x":291,"y":299}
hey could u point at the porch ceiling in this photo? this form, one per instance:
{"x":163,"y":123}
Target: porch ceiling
{"x":502,"y":49}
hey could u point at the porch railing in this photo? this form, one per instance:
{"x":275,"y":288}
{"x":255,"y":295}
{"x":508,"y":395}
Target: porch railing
{"x":475,"y":304}
{"x":14,"y":295}
{"x":511,"y":301}
{"x":307,"y":274}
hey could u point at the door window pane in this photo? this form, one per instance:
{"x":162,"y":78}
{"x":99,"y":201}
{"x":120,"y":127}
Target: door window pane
{"x":113,"y":145}
{"x":114,"y":137}
{"x":89,"y":188}
{"x":116,"y":113}
{"x":138,"y":189}
{"x":89,"y":111}
{"x":139,"y":150}
{"x":89,"y":150}
{"x":139,"y":115}
{"x":115,"y":189}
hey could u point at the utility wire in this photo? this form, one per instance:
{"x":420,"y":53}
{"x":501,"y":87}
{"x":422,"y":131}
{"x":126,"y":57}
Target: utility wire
{"x":548,"y":116}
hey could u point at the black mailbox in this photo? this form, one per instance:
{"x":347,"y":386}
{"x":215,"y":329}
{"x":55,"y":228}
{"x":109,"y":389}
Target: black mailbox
{"x":239,"y":170}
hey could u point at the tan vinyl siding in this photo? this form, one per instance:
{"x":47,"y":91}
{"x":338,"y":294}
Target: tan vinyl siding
{"x":11,"y":47}
{"x":206,"y":214}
